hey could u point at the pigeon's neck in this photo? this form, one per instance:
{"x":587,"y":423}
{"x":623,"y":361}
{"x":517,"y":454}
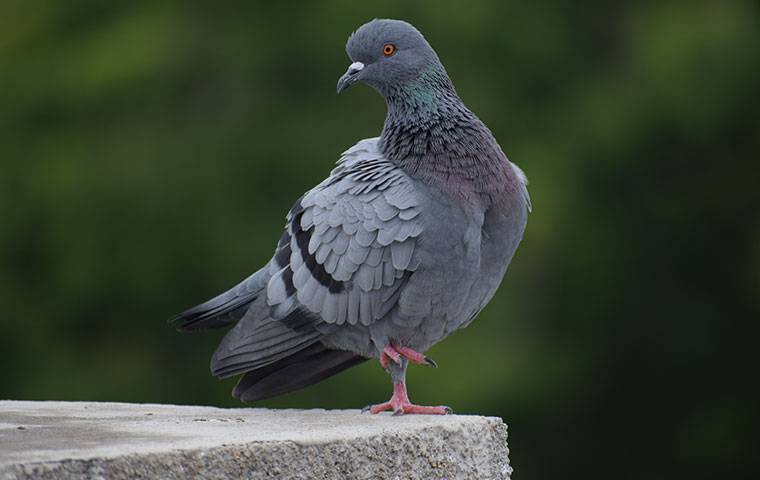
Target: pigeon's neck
{"x":430,"y":133}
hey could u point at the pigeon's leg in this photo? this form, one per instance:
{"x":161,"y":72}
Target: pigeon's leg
{"x":399,"y":403}
{"x":416,"y":357}
{"x":394,"y":353}
{"x":389,"y":354}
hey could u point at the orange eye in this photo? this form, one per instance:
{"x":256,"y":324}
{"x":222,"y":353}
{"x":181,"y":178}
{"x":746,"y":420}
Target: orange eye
{"x":389,"y":49}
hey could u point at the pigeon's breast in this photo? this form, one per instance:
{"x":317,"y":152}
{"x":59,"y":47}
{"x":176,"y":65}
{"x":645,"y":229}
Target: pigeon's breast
{"x":476,"y":269}
{"x":501,"y":234}
{"x":439,"y":293}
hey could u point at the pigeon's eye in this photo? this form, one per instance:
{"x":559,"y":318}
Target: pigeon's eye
{"x":389,"y":49}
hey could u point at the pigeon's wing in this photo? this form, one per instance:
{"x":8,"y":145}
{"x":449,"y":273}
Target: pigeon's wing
{"x":349,"y":243}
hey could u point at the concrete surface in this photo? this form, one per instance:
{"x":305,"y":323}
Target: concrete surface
{"x":80,"y":440}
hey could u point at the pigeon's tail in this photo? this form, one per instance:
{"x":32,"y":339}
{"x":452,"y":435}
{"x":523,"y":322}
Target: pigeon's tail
{"x":305,"y":367}
{"x":225,"y":309}
{"x":276,"y":356}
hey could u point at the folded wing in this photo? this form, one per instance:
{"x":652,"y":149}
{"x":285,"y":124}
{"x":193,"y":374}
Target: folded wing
{"x":348,"y":249}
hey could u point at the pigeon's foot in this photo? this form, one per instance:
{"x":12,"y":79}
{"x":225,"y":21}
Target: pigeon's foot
{"x":394,"y":354}
{"x":399,"y":404}
{"x":389,"y":355}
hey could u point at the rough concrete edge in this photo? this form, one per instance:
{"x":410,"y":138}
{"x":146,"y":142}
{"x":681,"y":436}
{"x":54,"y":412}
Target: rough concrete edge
{"x":430,"y":459}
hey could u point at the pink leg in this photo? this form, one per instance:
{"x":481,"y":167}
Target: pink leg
{"x":416,"y":357}
{"x":400,"y":404}
{"x":391,"y":352}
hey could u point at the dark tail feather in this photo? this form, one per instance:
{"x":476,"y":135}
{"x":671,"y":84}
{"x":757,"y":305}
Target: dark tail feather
{"x":257,"y":341}
{"x":224,"y":309}
{"x":306,"y":367}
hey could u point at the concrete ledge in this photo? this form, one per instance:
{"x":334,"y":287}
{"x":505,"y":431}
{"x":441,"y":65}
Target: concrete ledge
{"x":80,"y":440}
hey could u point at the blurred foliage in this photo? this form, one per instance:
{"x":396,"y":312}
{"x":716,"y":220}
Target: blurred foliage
{"x":149,"y":152}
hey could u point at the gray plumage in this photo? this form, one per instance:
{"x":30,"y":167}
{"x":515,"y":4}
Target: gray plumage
{"x":405,"y":241}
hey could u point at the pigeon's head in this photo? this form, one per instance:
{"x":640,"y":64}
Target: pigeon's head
{"x":388,"y":55}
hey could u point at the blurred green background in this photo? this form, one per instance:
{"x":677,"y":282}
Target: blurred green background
{"x":150,"y":150}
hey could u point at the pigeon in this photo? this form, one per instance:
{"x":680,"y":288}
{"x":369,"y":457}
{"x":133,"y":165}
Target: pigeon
{"x":405,"y":241}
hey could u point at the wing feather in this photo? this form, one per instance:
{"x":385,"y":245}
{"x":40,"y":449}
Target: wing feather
{"x":352,"y":242}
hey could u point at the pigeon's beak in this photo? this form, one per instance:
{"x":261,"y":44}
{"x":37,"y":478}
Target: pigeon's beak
{"x":350,"y":77}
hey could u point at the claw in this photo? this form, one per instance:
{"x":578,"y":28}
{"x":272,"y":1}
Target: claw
{"x":430,"y":362}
